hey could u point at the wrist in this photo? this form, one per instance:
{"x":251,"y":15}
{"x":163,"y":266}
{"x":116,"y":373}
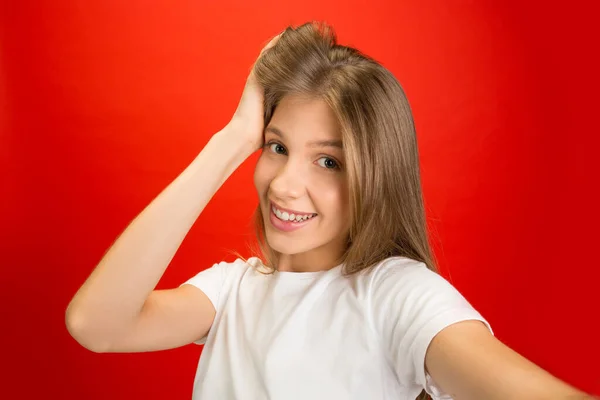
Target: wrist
{"x":236,"y":135}
{"x":233,"y":136}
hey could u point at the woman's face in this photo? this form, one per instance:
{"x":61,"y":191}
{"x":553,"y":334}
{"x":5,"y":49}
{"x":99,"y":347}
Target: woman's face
{"x":302,"y":185}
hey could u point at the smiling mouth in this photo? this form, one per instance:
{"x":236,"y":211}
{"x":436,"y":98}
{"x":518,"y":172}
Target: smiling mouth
{"x":291,"y":217}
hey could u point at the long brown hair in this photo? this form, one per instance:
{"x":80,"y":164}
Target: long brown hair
{"x":378,"y":135}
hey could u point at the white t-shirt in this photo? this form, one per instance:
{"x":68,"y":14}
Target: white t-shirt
{"x":319,"y":335}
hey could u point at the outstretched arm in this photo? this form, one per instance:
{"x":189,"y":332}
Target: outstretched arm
{"x":468,"y":362}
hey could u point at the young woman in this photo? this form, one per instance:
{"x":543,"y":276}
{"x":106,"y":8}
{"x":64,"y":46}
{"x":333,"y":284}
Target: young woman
{"x":344,"y":302}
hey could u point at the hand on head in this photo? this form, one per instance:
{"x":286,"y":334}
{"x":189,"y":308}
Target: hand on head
{"x":248,"y":119}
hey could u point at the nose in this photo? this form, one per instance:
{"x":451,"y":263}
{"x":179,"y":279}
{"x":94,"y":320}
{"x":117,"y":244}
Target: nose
{"x":288,"y":182}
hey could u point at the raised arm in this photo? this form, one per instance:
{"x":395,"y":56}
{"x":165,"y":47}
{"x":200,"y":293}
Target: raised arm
{"x":117,"y":308}
{"x":116,"y":305}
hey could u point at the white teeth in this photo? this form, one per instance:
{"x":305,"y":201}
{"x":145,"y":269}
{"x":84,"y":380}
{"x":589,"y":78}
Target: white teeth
{"x":284,"y":216}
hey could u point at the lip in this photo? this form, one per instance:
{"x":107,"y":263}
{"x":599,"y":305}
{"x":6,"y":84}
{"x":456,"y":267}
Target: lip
{"x":285,"y":226}
{"x":287,"y":209}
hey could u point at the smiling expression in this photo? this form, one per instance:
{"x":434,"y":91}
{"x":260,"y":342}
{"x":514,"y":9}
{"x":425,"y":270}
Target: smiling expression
{"x":302,"y":185}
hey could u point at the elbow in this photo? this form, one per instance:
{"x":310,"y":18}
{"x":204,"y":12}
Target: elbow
{"x":84,"y":333}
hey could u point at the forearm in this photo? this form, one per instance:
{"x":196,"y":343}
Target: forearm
{"x":115,"y":292}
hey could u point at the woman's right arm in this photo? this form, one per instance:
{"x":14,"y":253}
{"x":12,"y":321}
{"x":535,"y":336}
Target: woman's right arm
{"x":117,"y":308}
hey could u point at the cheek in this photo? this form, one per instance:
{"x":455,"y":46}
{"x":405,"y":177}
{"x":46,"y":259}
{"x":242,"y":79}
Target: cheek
{"x":258,"y":176}
{"x":333,"y":197}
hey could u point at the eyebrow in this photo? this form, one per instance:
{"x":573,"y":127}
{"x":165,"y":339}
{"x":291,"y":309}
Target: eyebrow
{"x":318,"y":143}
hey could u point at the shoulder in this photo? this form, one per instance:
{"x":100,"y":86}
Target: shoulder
{"x":240,"y":267}
{"x":401,"y":281}
{"x":399,"y":262}
{"x":240,"y":264}
{"x":409,"y":285}
{"x":398,"y":270}
{"x":223,"y":270}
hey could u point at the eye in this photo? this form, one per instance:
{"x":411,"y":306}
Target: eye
{"x":329,"y":163}
{"x":276,"y":148}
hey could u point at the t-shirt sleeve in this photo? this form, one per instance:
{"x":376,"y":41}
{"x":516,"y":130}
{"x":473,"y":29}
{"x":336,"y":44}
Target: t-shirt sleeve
{"x":210,"y":281}
{"x":411,"y":304}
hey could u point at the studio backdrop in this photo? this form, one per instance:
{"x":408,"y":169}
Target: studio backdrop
{"x":104,"y":103}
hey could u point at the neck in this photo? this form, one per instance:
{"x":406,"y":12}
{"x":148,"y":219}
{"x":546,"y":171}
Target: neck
{"x":319,"y":259}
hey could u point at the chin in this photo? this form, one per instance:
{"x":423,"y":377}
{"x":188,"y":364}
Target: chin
{"x":280,"y":245}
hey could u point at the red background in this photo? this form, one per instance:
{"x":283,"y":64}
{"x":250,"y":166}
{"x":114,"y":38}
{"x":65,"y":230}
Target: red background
{"x":103,"y":103}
